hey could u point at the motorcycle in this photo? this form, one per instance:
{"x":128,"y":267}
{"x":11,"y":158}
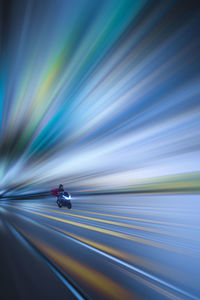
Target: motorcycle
{"x":64,"y":200}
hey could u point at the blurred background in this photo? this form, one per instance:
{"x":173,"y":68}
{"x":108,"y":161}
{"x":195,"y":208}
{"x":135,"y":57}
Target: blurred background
{"x":99,"y":95}
{"x":102,"y":96}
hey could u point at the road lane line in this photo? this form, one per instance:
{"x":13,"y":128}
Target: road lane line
{"x":111,"y":233}
{"x":83,"y":272}
{"x":138,"y":219}
{"x":139,"y":272}
{"x":120,"y":224}
{"x":132,"y":259}
{"x":28,"y":245}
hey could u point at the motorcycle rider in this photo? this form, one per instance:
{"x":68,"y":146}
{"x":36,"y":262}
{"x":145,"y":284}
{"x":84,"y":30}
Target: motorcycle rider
{"x":58,"y":192}
{"x":63,"y":198}
{"x":61,"y":190}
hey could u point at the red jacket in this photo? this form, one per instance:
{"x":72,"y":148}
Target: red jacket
{"x":54,"y":192}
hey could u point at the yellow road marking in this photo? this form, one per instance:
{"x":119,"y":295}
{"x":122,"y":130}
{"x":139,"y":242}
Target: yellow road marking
{"x":136,"y":227}
{"x":88,"y":276}
{"x":131,"y":259}
{"x":110,"y":233}
{"x":137,"y":219}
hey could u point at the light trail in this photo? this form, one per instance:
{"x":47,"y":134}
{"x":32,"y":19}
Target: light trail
{"x":117,"y":234}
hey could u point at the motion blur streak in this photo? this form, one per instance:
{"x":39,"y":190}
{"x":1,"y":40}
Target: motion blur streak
{"x":91,"y":277}
{"x":152,"y":230}
{"x":107,"y":261}
{"x":99,"y":95}
{"x":153,"y":242}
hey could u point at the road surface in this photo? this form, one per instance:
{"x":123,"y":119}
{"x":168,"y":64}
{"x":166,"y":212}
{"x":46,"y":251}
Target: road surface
{"x":105,"y":247}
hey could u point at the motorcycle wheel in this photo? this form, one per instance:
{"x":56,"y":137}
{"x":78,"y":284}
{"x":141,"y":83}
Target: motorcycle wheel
{"x":59,"y":204}
{"x":69,"y":205}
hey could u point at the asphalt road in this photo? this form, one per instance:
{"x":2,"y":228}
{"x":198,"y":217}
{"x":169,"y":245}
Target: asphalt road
{"x":105,"y":247}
